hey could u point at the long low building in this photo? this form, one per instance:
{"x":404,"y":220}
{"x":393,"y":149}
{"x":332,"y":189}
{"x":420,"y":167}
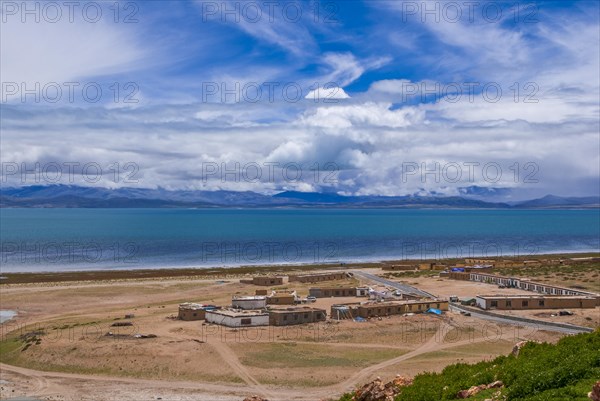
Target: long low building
{"x":237,"y":318}
{"x":263,"y":280}
{"x":395,"y":268}
{"x":523,"y":284}
{"x":298,"y":315}
{"x":377,"y":309}
{"x":511,"y":302}
{"x":326,"y":292}
{"x":318,"y":277}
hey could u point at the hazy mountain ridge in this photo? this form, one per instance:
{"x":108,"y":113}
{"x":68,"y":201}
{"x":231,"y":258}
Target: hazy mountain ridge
{"x":93,"y":197}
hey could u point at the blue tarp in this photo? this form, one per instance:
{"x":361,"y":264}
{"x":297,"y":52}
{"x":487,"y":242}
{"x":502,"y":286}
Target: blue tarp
{"x":457,"y":269}
{"x":436,"y":311}
{"x":360,"y":319}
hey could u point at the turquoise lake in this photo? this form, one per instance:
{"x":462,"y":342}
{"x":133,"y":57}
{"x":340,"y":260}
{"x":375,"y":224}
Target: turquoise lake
{"x":92,"y":239}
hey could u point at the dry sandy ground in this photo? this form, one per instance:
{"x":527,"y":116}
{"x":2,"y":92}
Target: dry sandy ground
{"x":74,"y":360}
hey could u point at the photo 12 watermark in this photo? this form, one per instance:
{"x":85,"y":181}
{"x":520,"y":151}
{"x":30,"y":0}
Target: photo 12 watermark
{"x":68,"y":172}
{"x":70,"y":92}
{"x":228,"y":92}
{"x":257,"y":252}
{"x":15,"y":253}
{"x":54,"y":12}
{"x":453,"y":249}
{"x":451,"y":172}
{"x":471,"y":92}
{"x":270,"y":172}
{"x":271,"y":12}
{"x":469,"y":12}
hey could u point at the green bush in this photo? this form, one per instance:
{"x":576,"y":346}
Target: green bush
{"x":541,"y":372}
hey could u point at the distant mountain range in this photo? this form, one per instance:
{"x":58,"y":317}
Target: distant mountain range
{"x":54,"y":196}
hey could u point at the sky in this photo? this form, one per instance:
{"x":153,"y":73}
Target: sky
{"x":356,"y":97}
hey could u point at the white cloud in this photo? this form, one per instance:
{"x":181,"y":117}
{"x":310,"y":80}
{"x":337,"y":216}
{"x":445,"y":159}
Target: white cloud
{"x":61,"y":52}
{"x":324,"y":94}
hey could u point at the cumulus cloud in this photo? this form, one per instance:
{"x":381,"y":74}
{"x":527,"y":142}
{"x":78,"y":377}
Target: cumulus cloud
{"x":375,"y":136}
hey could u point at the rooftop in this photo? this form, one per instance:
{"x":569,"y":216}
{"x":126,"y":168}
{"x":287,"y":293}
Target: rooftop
{"x":193,"y":306}
{"x":249,"y":298}
{"x":297,"y":309}
{"x":532,"y":296}
{"x":238,"y":313}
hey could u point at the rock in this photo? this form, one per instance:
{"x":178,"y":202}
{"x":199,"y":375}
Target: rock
{"x":255,"y":398}
{"x":517,"y":348}
{"x":471,"y":391}
{"x":477,"y":389}
{"x":378,"y":391}
{"x":594,"y":395}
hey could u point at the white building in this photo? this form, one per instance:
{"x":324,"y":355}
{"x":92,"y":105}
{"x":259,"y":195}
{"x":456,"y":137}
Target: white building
{"x":362,"y":291}
{"x":236,"y":318}
{"x":249,"y":302}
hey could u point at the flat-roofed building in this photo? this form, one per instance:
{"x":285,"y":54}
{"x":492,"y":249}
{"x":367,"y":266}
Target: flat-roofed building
{"x":395,"y":268}
{"x":249,"y":302}
{"x":281,"y":299}
{"x":524,"y":284}
{"x":432,"y":266}
{"x":472,"y":261}
{"x":326,"y":292}
{"x":297,"y":315}
{"x":424,"y":306}
{"x":263,"y":280}
{"x":389,"y":308}
{"x":511,"y":302}
{"x":318,"y":277}
{"x":192,"y":311}
{"x":237,"y":318}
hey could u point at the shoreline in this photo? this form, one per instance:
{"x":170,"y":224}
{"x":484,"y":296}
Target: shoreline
{"x":238,"y":270}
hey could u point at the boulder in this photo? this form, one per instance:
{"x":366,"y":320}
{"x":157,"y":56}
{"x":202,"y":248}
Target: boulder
{"x":477,"y":389}
{"x":378,"y":391}
{"x":471,"y":391}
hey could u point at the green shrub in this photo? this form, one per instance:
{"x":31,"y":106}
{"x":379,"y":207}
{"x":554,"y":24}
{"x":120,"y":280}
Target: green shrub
{"x":542,"y":372}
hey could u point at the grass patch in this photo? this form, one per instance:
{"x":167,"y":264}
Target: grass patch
{"x":292,"y":355}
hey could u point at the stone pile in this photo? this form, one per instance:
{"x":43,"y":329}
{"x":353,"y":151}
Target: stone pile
{"x":378,"y":391}
{"x":478,"y":389}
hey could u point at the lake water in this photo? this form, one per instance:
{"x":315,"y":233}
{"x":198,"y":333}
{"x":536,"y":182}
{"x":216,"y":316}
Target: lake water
{"x":6,"y":315}
{"x":92,"y":239}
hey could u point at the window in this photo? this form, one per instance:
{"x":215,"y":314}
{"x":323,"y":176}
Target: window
{"x":525,"y":303}
{"x":284,"y":317}
{"x":541,"y":302}
{"x":246,"y":321}
{"x":509,"y":303}
{"x":494,"y":304}
{"x":306,"y":315}
{"x":194,"y":314}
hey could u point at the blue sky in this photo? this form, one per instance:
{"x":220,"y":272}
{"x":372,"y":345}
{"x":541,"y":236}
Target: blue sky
{"x":372,"y":87}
